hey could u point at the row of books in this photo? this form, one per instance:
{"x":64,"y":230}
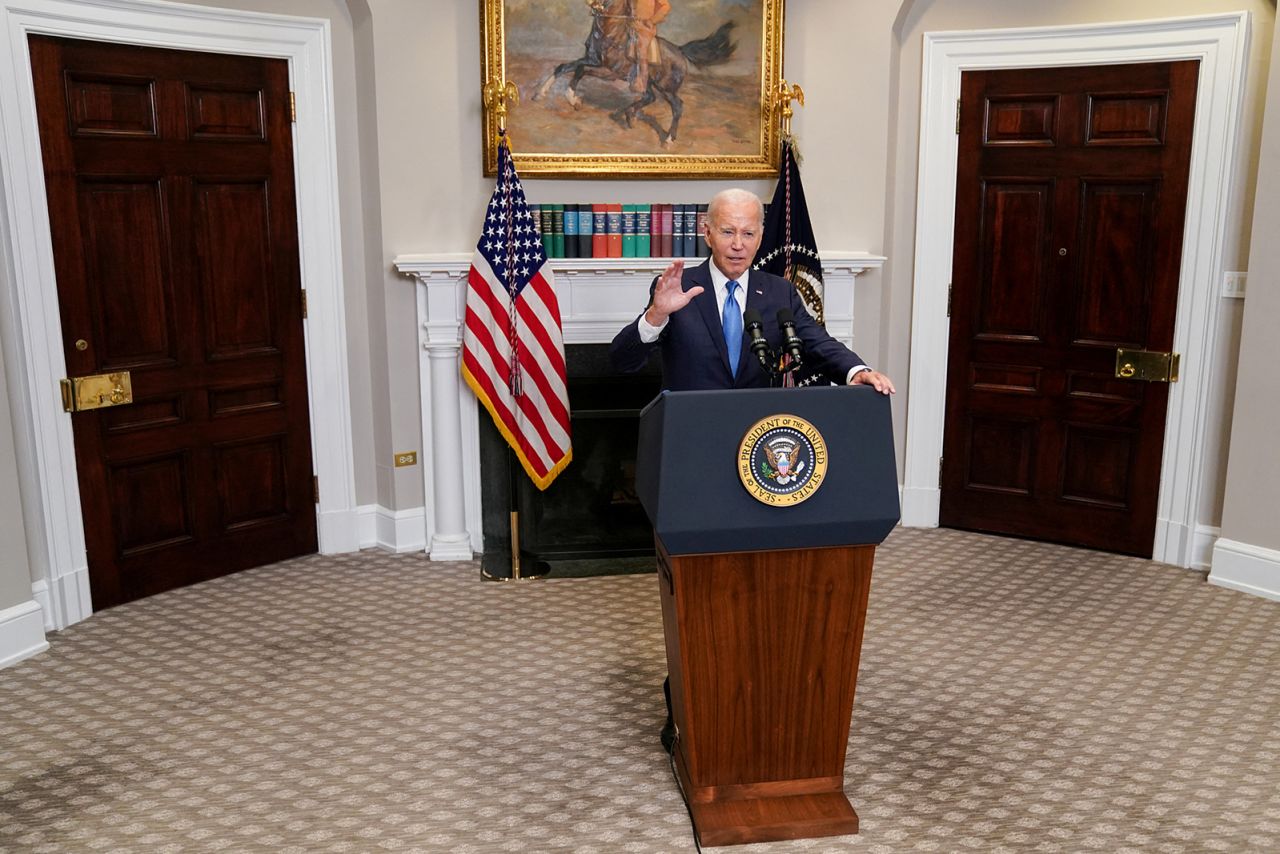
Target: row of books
{"x":611,"y":230}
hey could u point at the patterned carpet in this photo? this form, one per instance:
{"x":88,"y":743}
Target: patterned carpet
{"x":1013,"y":697}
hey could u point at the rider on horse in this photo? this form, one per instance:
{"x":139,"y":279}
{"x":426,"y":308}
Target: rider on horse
{"x":642,"y":19}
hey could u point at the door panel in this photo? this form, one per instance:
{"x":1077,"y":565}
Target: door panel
{"x":1071,"y":186}
{"x":1015,"y":215}
{"x":171,"y":203}
{"x":122,"y":227}
{"x":1115,"y":245}
{"x":236,"y":285}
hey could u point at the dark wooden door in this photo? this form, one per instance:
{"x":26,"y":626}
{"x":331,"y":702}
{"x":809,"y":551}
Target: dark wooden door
{"x":1070,"y":195}
{"x":171,"y":201}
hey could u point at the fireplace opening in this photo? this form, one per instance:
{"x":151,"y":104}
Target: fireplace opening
{"x":589,"y":521}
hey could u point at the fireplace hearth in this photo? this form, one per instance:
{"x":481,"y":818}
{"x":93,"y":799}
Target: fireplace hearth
{"x":590,"y":512}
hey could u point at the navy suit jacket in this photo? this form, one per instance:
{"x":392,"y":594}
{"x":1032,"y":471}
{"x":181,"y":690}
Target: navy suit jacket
{"x":694,"y":355}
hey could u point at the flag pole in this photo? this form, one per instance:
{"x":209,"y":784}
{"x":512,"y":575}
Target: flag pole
{"x":788,"y":92}
{"x":788,"y":248}
{"x":497,"y":94}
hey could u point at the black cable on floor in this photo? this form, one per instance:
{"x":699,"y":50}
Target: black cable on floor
{"x":671,"y":756}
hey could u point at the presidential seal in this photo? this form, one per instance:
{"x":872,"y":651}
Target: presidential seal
{"x":782,"y":460}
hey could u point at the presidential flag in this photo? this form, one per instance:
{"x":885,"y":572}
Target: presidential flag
{"x":788,"y":248}
{"x":512,"y":348}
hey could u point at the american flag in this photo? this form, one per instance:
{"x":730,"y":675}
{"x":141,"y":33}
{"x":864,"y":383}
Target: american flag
{"x":512,"y":348}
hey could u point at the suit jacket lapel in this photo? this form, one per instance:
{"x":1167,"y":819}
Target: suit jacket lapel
{"x":749,"y":289}
{"x":753,"y":289}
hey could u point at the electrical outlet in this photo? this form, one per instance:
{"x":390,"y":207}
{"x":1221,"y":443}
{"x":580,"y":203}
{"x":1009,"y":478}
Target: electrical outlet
{"x":1233,"y":284}
{"x":406,"y":458}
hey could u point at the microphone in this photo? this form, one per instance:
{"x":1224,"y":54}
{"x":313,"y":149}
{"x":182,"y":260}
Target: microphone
{"x":791,"y":343}
{"x":755,"y":330}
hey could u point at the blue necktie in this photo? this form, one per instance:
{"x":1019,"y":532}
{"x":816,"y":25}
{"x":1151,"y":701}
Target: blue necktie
{"x":731,"y":317}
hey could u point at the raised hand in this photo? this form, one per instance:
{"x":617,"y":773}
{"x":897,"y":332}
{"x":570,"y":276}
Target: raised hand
{"x":669,"y":296}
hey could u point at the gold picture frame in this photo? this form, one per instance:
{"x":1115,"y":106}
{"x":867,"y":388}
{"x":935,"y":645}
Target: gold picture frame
{"x":602,"y":122}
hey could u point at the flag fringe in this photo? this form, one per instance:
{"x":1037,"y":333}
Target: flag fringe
{"x":541,"y":482}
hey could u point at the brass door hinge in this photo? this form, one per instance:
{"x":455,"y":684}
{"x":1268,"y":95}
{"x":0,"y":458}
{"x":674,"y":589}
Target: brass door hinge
{"x":948,"y":299}
{"x":304,"y":303}
{"x":315,"y":484}
{"x":1150,"y":365}
{"x":293,"y":107}
{"x":957,"y":116}
{"x":940,"y":459}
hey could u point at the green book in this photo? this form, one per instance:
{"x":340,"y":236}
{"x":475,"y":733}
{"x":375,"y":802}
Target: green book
{"x":557,"y":231}
{"x":544,"y":230}
{"x":643,"y":227}
{"x":629,"y":231}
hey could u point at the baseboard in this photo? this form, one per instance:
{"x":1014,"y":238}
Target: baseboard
{"x":65,"y":601}
{"x":1202,"y":543}
{"x":21,"y":633}
{"x":394,"y":530}
{"x":920,"y":507}
{"x":338,"y":531}
{"x":1247,"y":568}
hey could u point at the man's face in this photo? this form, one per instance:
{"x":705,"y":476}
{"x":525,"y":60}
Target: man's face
{"x":734,"y":234}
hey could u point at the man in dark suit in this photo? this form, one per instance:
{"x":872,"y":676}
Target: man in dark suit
{"x":695,"y":317}
{"x":695,"y":320}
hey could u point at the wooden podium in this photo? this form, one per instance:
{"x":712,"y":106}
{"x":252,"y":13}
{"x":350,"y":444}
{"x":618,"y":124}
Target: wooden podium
{"x":763,"y":604}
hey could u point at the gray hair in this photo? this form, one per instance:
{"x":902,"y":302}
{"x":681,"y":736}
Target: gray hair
{"x":736,"y":196}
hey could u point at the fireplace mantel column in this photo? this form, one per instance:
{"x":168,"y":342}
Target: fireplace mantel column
{"x":448,"y":450}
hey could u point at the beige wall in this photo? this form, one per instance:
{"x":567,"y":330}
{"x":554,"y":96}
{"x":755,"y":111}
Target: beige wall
{"x":1251,"y":510}
{"x":15,"y":574}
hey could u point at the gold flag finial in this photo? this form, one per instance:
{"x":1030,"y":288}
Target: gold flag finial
{"x":497,"y":93}
{"x":787,"y":92}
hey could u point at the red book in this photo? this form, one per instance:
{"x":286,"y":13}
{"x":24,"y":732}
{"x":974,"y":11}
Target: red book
{"x":614,"y":220}
{"x":599,"y":246}
{"x":655,"y":231}
{"x":664,"y":233}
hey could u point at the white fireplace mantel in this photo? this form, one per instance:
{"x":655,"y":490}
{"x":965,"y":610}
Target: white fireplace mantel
{"x":597,"y":297}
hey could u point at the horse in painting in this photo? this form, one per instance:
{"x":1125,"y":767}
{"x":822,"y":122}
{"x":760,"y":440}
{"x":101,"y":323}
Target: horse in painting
{"x":610,"y":55}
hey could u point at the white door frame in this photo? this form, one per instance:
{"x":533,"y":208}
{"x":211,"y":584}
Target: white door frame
{"x":1221,"y":43}
{"x":29,"y":318}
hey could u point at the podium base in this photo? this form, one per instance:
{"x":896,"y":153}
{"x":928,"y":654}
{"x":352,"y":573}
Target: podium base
{"x":738,"y":822}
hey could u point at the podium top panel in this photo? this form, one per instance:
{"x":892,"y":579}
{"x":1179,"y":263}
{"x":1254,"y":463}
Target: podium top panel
{"x":761,"y":469}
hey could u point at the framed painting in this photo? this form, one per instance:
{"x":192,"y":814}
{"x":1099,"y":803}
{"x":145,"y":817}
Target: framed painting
{"x":635,"y":88}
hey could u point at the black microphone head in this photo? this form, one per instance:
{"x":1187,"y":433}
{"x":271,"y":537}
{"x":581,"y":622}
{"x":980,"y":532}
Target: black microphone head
{"x":752,"y":317}
{"x":791,"y":342}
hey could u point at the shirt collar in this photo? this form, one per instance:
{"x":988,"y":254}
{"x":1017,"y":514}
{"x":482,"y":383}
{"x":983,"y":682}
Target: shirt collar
{"x":721,"y":282}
